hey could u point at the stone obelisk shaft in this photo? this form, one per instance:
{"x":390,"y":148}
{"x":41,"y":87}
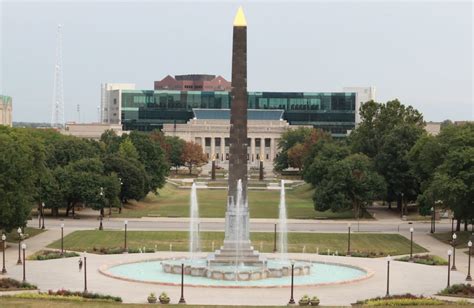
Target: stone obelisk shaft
{"x":238,"y":114}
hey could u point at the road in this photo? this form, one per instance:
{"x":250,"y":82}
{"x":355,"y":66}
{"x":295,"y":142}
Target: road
{"x":256,"y":225}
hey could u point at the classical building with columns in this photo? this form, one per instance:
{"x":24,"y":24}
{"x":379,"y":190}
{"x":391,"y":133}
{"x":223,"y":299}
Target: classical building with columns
{"x":5,"y":110}
{"x":210,"y":128}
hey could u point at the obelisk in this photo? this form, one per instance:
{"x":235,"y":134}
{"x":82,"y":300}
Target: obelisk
{"x":237,"y":218}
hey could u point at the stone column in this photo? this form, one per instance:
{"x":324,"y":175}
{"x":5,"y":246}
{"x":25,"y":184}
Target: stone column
{"x":262,"y":149}
{"x":252,"y":149}
{"x":213,"y":147}
{"x":222,"y":148}
{"x":272,"y":149}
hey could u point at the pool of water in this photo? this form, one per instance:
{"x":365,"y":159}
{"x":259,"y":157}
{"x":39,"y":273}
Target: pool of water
{"x":151,"y":271}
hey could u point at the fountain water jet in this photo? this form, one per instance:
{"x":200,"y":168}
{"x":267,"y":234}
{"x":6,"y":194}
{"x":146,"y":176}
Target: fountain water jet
{"x":282,"y":226}
{"x":194,"y":244}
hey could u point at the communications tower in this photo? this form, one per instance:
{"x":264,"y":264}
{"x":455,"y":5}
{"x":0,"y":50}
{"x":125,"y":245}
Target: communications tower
{"x":57,"y":110}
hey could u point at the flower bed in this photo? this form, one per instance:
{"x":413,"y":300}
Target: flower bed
{"x":51,"y":254}
{"x":119,"y":250}
{"x":9,"y":284}
{"x":401,"y":300}
{"x":69,"y":295}
{"x":425,"y":259}
{"x":459,"y":290}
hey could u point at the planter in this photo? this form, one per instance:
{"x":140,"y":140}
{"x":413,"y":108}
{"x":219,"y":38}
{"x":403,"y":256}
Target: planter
{"x":151,"y":299}
{"x":314,"y":302}
{"x":303,"y":303}
{"x":164,"y":300}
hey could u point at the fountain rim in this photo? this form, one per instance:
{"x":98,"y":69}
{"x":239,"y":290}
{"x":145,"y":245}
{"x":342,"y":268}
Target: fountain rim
{"x":103,"y":269}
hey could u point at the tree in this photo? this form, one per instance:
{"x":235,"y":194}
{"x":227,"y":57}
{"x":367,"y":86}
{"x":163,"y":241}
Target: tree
{"x":287,"y":141}
{"x":350,"y":183}
{"x":175,"y":147}
{"x":296,"y":156}
{"x":128,"y":150}
{"x":132,"y":174}
{"x":193,"y":155}
{"x":152,"y":156}
{"x":386,"y":134}
{"x":17,"y":179}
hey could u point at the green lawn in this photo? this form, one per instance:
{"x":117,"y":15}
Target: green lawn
{"x":10,"y":302}
{"x":461,"y":241}
{"x":174,"y":202}
{"x":392,"y":244}
{"x":29,"y":232}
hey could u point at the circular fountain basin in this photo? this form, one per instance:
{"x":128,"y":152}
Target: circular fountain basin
{"x":153,"y":272}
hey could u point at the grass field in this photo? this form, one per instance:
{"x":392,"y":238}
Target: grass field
{"x":392,"y":244}
{"x":174,"y":202}
{"x":461,"y":241}
{"x":30,"y":232}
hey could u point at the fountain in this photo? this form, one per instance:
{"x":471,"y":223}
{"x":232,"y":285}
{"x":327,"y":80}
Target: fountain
{"x":193,"y":223}
{"x":236,"y":262}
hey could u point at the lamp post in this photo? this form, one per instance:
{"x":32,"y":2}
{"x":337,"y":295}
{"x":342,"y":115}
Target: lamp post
{"x":181,"y":299}
{"x":125,"y":250}
{"x":348,"y":239}
{"x":23,"y":246}
{"x":62,"y":240}
{"x":432,"y":220}
{"x":454,"y":252}
{"x":411,"y":244}
{"x":388,"y":275}
{"x":468,"y":278}
{"x":101,"y":193}
{"x":121,"y":185}
{"x":292,"y":300}
{"x":449,"y":266}
{"x":20,"y":238}
{"x":275,"y":239}
{"x":42,"y":214}
{"x":85,"y":272}
{"x":4,"y":242}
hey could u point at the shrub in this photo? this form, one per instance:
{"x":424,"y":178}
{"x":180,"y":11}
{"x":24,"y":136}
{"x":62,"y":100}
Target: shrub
{"x":88,"y":295}
{"x":49,"y":254}
{"x":401,"y":300}
{"x":9,"y":283}
{"x":425,"y":259}
{"x":464,"y":290}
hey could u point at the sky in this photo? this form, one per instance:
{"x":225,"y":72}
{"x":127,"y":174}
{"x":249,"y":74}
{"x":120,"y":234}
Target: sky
{"x":420,"y":52}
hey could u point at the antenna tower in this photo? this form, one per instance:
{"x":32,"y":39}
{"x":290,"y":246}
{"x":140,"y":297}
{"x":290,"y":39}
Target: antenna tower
{"x":57,"y":115}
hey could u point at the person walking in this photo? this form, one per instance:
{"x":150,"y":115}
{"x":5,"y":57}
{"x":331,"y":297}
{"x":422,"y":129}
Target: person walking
{"x":80,"y":264}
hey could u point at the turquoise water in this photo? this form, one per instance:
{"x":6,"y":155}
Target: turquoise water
{"x":151,"y":271}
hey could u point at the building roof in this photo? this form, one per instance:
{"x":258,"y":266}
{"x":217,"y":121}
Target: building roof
{"x":224,"y":114}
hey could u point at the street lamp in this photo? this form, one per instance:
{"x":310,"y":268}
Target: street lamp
{"x":23,"y":246}
{"x":182,"y":300}
{"x":42,"y":214}
{"x":4,"y":242}
{"x":454,"y":252}
{"x":62,"y":239}
{"x":388,"y":275}
{"x":101,"y":193}
{"x":20,"y":238}
{"x":121,"y":185}
{"x":468,"y":278}
{"x":411,"y":244}
{"x":349,"y":239}
{"x":275,"y":239}
{"x":449,"y":265}
{"x":432,"y":220}
{"x":125,"y":250}
{"x":85,"y":272}
{"x":292,"y":300}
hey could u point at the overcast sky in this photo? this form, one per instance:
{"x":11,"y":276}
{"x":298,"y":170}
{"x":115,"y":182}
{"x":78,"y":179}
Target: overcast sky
{"x":419,"y":52}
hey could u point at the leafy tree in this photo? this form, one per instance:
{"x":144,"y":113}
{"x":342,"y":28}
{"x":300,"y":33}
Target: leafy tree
{"x":193,"y":155}
{"x":350,"y":183}
{"x":296,"y":156}
{"x":287,"y":141}
{"x":128,"y":150}
{"x":151,"y":155}
{"x":175,"y":147}
{"x":17,"y":162}
{"x":132,"y":174}
{"x":386,"y":134}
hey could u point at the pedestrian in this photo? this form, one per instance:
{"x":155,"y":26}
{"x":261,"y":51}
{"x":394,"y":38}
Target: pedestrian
{"x":80,"y":264}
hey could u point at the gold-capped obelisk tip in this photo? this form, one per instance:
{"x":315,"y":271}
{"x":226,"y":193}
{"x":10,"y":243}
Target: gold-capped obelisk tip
{"x":239,"y":20}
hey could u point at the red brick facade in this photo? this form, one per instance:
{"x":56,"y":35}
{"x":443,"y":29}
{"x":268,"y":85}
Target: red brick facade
{"x":193,"y":83}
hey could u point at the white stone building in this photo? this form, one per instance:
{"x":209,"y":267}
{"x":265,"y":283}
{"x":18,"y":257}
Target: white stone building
{"x":6,"y":110}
